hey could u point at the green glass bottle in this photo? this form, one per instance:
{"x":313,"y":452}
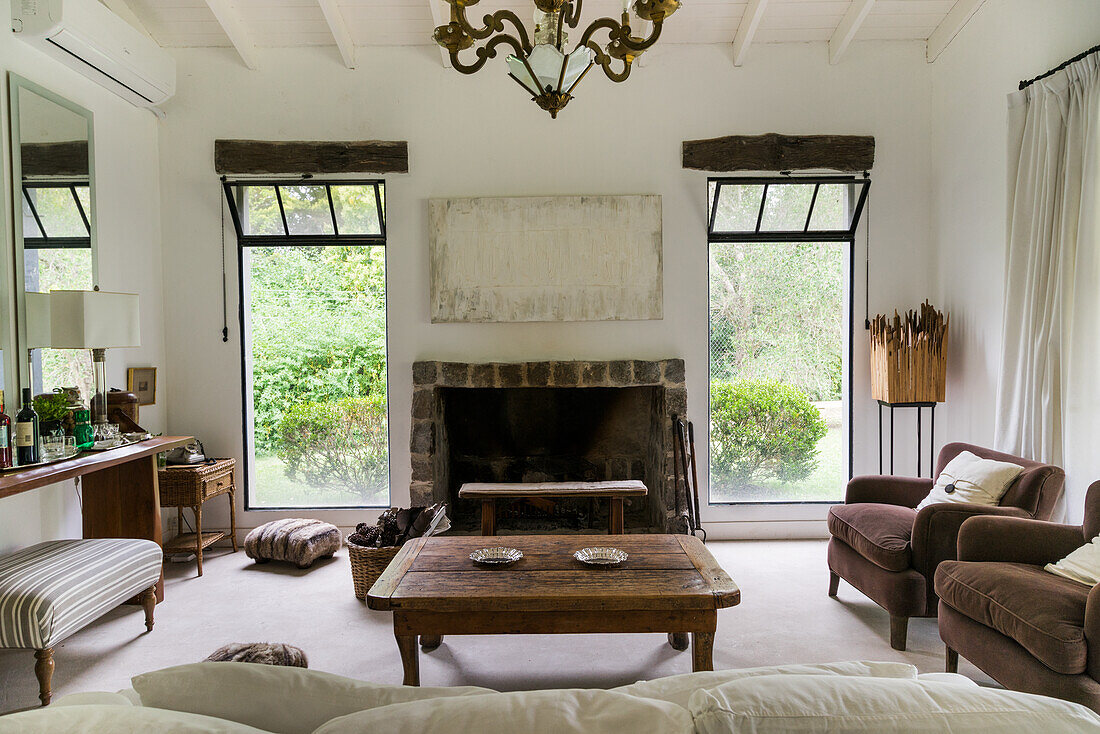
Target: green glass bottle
{"x":82,"y":430}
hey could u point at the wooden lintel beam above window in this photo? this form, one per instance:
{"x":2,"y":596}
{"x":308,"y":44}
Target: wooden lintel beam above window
{"x":775,"y":152}
{"x":239,"y":157}
{"x":54,"y":159}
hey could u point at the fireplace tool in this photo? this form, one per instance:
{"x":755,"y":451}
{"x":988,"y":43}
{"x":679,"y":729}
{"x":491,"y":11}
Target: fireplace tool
{"x":684,"y":443}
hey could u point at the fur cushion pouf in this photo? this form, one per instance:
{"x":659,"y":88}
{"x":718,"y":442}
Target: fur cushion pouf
{"x":265,"y":653}
{"x":300,"y":542}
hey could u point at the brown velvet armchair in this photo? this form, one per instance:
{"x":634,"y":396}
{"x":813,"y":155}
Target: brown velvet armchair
{"x":887,"y":550}
{"x":1026,"y":628}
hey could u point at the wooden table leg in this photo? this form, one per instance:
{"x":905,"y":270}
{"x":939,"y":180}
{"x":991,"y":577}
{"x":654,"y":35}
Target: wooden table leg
{"x":679,"y":640}
{"x":488,"y":517}
{"x":123,"y":501}
{"x":233,"y":511}
{"x":702,"y":651}
{"x":615,"y":516}
{"x":410,"y":659}
{"x":430,"y":642}
{"x":198,"y":535}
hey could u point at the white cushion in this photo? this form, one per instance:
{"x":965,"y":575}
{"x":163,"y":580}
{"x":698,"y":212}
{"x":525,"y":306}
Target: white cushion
{"x":570,"y":711}
{"x":116,"y":720}
{"x":1082,"y":565}
{"x":840,"y":704}
{"x":678,"y":688}
{"x":272,"y":697}
{"x":101,"y":698}
{"x":956,"y":678}
{"x":968,"y":479}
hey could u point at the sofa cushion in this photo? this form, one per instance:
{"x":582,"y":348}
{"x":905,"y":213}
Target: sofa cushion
{"x":1044,"y":613}
{"x":840,"y":705}
{"x":274,"y":698}
{"x":880,"y":533}
{"x":970,"y":479}
{"x":678,"y":689}
{"x":116,"y":720}
{"x":1082,"y":565}
{"x":567,"y":711}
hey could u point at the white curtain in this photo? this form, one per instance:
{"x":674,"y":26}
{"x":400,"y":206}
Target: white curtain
{"x":1048,"y":400}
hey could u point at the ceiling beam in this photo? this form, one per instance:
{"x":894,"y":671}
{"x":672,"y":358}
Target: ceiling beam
{"x":124,"y":11}
{"x":750,"y":21}
{"x":949,"y":27}
{"x":849,"y":26}
{"x":339,"y":30}
{"x":233,"y":26}
{"x":441,"y":16}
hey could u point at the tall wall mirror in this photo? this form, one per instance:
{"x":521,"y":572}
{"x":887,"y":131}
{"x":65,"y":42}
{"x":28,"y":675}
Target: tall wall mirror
{"x":53,"y":167}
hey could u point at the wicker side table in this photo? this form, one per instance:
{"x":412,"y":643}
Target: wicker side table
{"x":191,"y":486}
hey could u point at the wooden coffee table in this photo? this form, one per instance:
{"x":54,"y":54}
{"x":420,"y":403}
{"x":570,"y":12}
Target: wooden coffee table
{"x":670,"y":583}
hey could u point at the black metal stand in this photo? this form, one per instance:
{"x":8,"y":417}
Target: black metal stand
{"x":932,"y":434}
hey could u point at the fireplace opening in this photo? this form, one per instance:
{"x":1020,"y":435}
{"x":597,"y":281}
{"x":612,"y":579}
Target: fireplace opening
{"x":549,"y":434}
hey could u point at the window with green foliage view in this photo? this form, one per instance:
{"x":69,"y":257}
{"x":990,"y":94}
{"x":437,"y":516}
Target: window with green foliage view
{"x":313,"y":264}
{"x":780,"y":254}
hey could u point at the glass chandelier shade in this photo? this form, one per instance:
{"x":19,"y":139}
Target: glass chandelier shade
{"x":553,"y":70}
{"x":544,"y":68}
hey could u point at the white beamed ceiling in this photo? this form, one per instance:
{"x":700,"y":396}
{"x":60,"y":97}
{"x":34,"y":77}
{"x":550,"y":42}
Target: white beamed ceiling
{"x":281,"y":23}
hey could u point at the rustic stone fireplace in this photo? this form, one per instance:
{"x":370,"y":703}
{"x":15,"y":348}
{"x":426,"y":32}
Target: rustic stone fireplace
{"x":547,"y":421}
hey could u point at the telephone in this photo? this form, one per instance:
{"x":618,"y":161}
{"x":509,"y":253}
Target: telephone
{"x":192,"y":453}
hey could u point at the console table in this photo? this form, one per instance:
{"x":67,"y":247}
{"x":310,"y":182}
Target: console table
{"x":120,"y":496}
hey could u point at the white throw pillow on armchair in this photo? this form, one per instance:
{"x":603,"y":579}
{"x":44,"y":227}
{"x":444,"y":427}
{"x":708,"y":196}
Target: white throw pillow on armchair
{"x":1082,"y":565}
{"x":969,"y":479}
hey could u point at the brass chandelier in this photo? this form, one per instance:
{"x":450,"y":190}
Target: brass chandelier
{"x":544,"y":68}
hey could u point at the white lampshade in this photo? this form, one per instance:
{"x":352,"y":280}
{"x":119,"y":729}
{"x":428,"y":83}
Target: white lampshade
{"x":38,"y":320}
{"x":94,"y":320}
{"x":546,"y":61}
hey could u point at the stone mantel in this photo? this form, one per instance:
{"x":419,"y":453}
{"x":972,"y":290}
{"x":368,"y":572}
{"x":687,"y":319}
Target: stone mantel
{"x":429,"y":376}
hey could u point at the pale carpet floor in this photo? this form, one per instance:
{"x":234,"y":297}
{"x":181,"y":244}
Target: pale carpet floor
{"x":785,"y":616}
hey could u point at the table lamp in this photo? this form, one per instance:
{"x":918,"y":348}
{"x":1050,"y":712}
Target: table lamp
{"x":98,"y":321}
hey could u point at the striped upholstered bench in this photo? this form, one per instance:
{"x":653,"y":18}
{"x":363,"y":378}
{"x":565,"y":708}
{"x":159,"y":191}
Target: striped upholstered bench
{"x":50,"y":590}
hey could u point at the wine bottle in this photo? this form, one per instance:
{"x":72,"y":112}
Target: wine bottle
{"x":27,"y":442}
{"x":5,"y":435}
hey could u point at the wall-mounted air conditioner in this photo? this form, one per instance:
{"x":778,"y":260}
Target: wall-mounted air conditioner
{"x":90,"y":38}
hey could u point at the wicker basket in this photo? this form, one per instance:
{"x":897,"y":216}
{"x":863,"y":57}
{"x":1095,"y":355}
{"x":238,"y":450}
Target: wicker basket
{"x":367,"y":564}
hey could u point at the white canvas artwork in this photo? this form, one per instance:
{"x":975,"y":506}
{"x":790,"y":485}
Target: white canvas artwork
{"x":551,"y":258}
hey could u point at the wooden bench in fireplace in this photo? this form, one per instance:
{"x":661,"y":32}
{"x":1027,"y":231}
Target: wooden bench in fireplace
{"x":614,"y":491}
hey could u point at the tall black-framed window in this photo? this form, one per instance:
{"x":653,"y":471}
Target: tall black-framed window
{"x":312,"y":280}
{"x":781,"y":258}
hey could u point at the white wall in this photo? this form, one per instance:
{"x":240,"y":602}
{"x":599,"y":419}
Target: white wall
{"x":1003,"y":43}
{"x":481,"y":136}
{"x":129,"y":230}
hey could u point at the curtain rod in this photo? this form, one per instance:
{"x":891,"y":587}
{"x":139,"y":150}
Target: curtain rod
{"x":1028,"y":82}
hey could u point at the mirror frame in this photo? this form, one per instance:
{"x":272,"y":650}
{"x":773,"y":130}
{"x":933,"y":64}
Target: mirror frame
{"x":16,"y":361}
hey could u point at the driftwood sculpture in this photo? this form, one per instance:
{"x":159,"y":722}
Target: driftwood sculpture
{"x":909,"y":356}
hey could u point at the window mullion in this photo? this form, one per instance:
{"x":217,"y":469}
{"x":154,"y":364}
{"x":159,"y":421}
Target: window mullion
{"x":332,"y":211}
{"x":380,"y":210}
{"x":34,"y":213}
{"x":282,"y":212}
{"x":810,"y":211}
{"x":80,"y":208}
{"x":763,"y":201}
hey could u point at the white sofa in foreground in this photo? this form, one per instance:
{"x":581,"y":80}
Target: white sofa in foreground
{"x":242,"y":698}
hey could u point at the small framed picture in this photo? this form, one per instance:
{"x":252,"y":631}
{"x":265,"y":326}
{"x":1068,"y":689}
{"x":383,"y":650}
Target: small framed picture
{"x":142,"y":381}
